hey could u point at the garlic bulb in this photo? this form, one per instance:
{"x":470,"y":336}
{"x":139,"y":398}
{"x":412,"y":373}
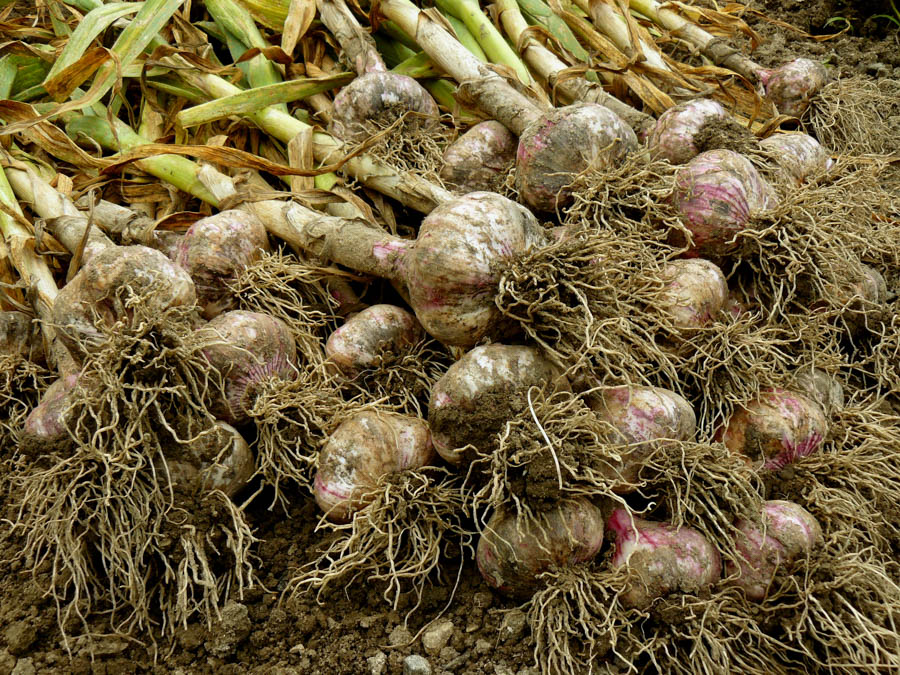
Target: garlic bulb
{"x":563,"y":142}
{"x":787,"y":532}
{"x":792,"y":85}
{"x":513,"y":551}
{"x":372,"y":96}
{"x":217,"y":460}
{"x":799,"y":155}
{"x":819,"y":386}
{"x":105,"y":290}
{"x":214,"y":250}
{"x":47,"y":426}
{"x":453,"y":271}
{"x":479,"y":158}
{"x":640,"y":416}
{"x":478,"y":394}
{"x":695,"y":292}
{"x":246,"y":348}
{"x":665,"y":559}
{"x":673,"y":136}
{"x":776,"y":429}
{"x":363,"y":449}
{"x":717,"y":194}
{"x":372,"y":338}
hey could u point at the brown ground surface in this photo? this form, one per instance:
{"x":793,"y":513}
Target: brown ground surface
{"x":352,"y":630}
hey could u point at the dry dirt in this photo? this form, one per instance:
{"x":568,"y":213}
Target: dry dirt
{"x":353,"y":630}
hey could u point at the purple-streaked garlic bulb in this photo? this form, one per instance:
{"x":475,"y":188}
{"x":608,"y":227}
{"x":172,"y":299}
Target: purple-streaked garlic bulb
{"x":478,"y":158}
{"x":640,"y":416}
{"x":217,"y":460}
{"x":665,"y":559}
{"x":479,"y":393}
{"x":104,"y":290}
{"x":214,"y":250}
{"x":562,"y":143}
{"x":46,"y":427}
{"x":695,"y":292}
{"x":673,"y":136}
{"x":20,"y":336}
{"x":776,"y":429}
{"x":372,"y":96}
{"x":360,"y":452}
{"x":246,"y":348}
{"x":372,"y":338}
{"x":452,"y":269}
{"x":787,"y":532}
{"x":717,"y":194}
{"x":799,"y":155}
{"x":513,"y":552}
{"x":791,"y":86}
{"x":820,"y":387}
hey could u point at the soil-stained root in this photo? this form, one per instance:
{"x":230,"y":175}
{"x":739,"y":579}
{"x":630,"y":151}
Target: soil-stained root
{"x":600,"y":299}
{"x":857,"y":115}
{"x":293,"y":419}
{"x":814,"y":253}
{"x":119,"y":537}
{"x":383,"y":353}
{"x":414,"y":530}
{"x":292,"y":290}
{"x":556,"y":448}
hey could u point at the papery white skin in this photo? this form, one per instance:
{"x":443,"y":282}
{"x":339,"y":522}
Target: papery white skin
{"x":221,"y":460}
{"x":787,"y":532}
{"x":799,"y":155}
{"x":510,"y":368}
{"x":365,"y":338}
{"x":695,"y":292}
{"x":673,"y":136}
{"x":214,"y":250}
{"x":475,"y":160}
{"x":641,"y":415}
{"x":363,"y":449}
{"x":513,"y":552}
{"x":776,"y":429}
{"x":666,"y":559}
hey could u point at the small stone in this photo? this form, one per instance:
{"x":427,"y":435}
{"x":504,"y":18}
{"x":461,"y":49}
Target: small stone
{"x":437,"y":636}
{"x":528,"y":670}
{"x":377,"y":663}
{"x":482,"y":646}
{"x":231,"y":631}
{"x":24,"y":667}
{"x":482,"y":600}
{"x":502,"y":669}
{"x":448,"y":654}
{"x":513,"y":625}
{"x":400,"y":636}
{"x":416,"y":665}
{"x":7,"y":662}
{"x":19,"y":637}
